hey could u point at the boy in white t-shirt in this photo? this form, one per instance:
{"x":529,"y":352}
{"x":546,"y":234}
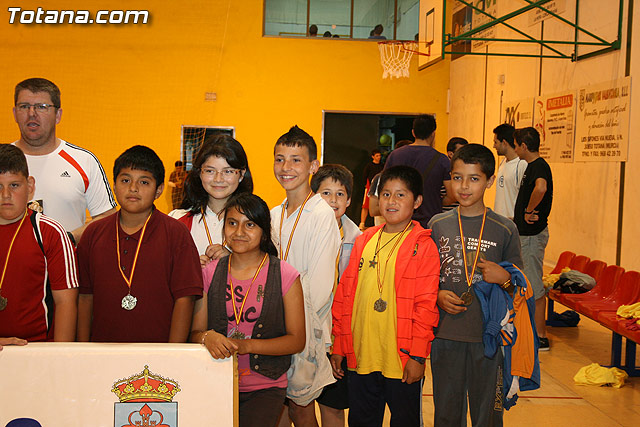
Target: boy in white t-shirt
{"x":510,"y":172}
{"x":334,"y":183}
{"x":307,"y":237}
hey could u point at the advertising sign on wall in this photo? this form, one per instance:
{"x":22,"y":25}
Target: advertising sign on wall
{"x":518,"y":114}
{"x":553,"y":118}
{"x":602,"y":124}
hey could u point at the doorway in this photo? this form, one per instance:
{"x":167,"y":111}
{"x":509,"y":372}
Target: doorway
{"x":348,"y":139}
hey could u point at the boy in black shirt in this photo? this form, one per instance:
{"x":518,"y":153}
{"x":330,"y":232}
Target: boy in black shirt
{"x":530,"y":215}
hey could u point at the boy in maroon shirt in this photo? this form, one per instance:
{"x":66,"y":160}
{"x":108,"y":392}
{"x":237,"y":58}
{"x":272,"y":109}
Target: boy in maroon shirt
{"x":139,"y":269}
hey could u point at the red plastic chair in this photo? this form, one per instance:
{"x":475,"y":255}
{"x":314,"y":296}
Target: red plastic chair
{"x":579,"y":263}
{"x":595,"y":268}
{"x":564,"y":260}
{"x":625,"y":331}
{"x":609,"y":319}
{"x":627,"y":292}
{"x":605,"y":286}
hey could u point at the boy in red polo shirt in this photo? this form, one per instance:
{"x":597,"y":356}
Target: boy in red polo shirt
{"x":139,"y":269}
{"x":37,"y":262}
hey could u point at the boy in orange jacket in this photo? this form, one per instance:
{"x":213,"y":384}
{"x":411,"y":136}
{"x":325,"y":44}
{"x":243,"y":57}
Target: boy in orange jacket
{"x":385,"y":310}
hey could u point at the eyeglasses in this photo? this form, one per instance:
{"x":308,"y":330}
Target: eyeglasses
{"x":38,"y":107}
{"x":227,"y":173}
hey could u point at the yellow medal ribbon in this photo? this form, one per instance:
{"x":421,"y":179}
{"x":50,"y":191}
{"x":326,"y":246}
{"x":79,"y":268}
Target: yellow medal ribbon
{"x":13,"y":239}
{"x":206,"y":227}
{"x":468,"y":278}
{"x":135,"y":258}
{"x":237,"y":314}
{"x":335,"y":282}
{"x":293,"y":230}
{"x":393,"y":248}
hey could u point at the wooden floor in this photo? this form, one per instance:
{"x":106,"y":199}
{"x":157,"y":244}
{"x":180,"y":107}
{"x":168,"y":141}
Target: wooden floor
{"x":559,"y":402}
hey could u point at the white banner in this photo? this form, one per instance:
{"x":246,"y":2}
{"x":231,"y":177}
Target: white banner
{"x":518,"y":114}
{"x":537,"y":15}
{"x":491,"y":8}
{"x":121,"y":385}
{"x":553,"y":118}
{"x":602,"y":124}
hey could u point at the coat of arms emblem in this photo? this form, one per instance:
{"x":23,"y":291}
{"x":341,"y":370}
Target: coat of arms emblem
{"x":146,"y":399}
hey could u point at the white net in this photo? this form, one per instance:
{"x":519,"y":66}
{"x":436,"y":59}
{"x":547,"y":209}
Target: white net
{"x":192,"y":139}
{"x":396,"y":58}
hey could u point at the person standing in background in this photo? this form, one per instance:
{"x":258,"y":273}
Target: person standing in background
{"x":434,"y":167}
{"x":70,"y":179}
{"x":510,"y":172}
{"x":176,"y":182}
{"x":532,"y":209}
{"x":370,"y":170}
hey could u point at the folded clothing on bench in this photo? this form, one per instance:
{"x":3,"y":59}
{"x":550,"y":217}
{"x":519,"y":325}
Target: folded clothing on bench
{"x":574,"y":282}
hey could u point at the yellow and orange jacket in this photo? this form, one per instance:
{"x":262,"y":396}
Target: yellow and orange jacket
{"x":417,"y":274}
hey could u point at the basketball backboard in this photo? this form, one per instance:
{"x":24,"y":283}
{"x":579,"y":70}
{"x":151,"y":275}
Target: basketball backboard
{"x":430,"y":33}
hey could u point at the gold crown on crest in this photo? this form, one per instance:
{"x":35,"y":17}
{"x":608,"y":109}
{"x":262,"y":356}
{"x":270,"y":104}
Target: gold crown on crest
{"x":145,"y":386}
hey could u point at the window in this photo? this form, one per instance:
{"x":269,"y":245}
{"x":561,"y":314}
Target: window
{"x":194,"y":136}
{"x":352,"y":19}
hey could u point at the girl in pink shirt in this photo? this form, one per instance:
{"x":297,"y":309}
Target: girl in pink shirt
{"x":253,"y":307}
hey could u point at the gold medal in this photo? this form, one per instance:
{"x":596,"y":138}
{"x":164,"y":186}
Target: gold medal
{"x":467,"y":298}
{"x":237,"y":335}
{"x":237,"y":314}
{"x":129,"y":302}
{"x":3,"y":303}
{"x":380,"y":305}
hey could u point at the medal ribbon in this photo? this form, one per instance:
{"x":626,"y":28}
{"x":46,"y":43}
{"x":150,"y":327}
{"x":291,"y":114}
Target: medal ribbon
{"x":335,"y":282}
{"x":293,"y":230}
{"x":135,"y":258}
{"x":206,"y":226}
{"x":206,"y":229}
{"x":393,"y":248}
{"x":468,"y":278}
{"x":13,"y":239}
{"x":237,"y":314}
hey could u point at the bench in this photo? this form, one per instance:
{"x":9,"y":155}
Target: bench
{"x":614,"y":287}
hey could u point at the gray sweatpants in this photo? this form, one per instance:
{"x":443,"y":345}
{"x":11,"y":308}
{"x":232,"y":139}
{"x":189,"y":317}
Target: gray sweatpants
{"x":460,"y":368}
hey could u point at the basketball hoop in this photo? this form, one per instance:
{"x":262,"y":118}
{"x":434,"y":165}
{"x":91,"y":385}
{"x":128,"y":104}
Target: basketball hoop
{"x":395,"y":56}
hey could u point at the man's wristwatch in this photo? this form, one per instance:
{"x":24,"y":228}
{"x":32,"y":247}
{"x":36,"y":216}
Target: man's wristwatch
{"x":418,"y":359}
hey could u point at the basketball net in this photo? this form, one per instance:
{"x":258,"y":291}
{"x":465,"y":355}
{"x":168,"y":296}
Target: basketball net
{"x":395,"y":57}
{"x":192,"y":140}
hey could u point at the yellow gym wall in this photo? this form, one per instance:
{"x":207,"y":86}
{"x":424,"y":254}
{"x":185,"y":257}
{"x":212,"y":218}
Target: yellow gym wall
{"x":138,"y":84}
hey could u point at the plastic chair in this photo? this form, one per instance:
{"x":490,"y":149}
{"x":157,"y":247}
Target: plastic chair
{"x":605,"y":286}
{"x":595,"y":268}
{"x":579,"y":263}
{"x":627,"y":292}
{"x":564,"y":260}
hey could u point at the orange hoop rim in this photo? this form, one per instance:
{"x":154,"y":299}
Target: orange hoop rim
{"x":406,"y":46}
